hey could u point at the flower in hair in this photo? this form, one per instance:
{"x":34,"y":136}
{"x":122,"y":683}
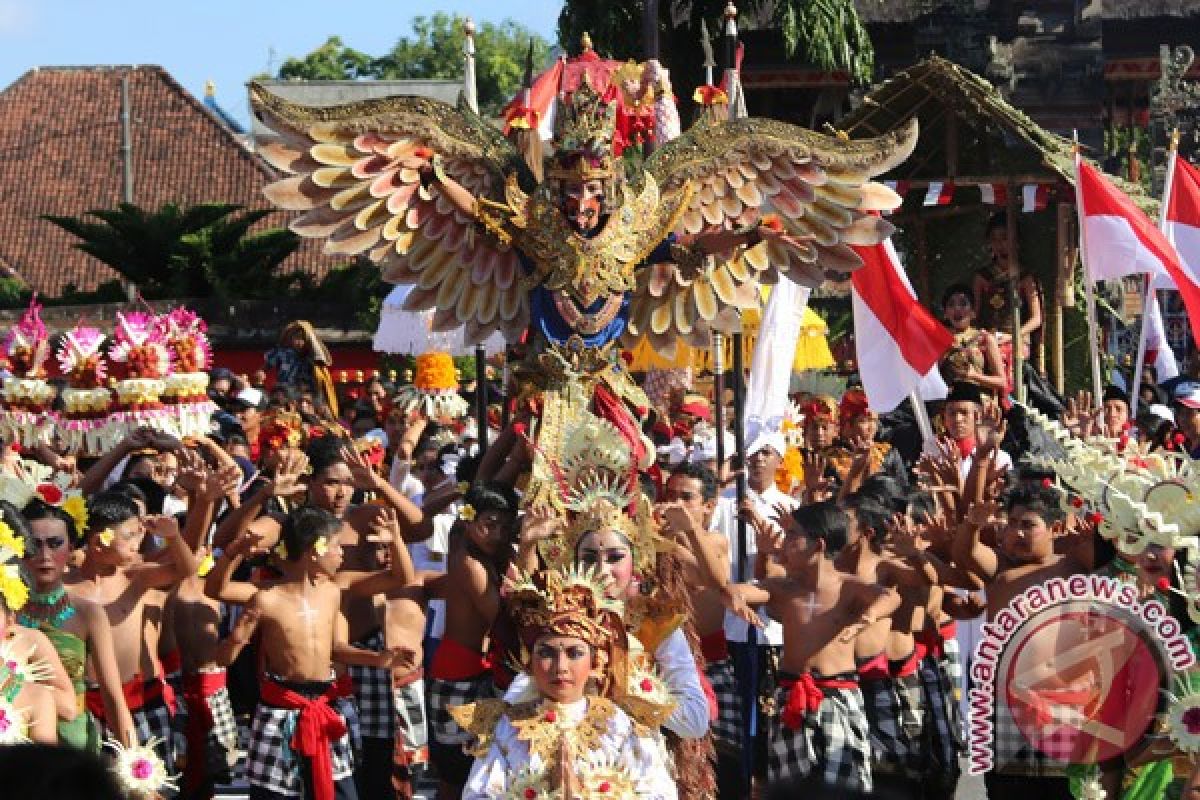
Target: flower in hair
{"x":105,"y":537}
{"x":321,"y":546}
{"x":467,"y":513}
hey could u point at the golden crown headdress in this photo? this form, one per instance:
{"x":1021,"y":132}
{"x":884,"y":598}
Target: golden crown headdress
{"x":584,"y":128}
{"x":568,"y":602}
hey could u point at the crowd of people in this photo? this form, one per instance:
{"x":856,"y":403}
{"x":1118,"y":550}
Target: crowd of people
{"x":329,"y":605}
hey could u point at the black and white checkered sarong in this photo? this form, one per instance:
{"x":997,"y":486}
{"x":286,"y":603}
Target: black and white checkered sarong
{"x":221,"y":740}
{"x":945,"y":729}
{"x":373,"y":694}
{"x":894,"y":750}
{"x":727,"y":728}
{"x":270,"y":762}
{"x":832,"y":744}
{"x":1015,"y":755}
{"x":152,"y":722}
{"x":412,"y":731}
{"x":444,"y":695}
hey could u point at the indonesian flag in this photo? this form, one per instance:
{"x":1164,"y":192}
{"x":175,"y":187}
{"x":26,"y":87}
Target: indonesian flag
{"x":939,"y":193}
{"x":900,"y":188}
{"x":1120,"y":240}
{"x":993,"y":194}
{"x":1182,"y":221}
{"x":1034,"y":197}
{"x":1158,"y":350}
{"x":898,"y":342}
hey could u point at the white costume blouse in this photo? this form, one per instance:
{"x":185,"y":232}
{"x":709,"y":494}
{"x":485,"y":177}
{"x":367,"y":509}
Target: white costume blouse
{"x":641,"y":758}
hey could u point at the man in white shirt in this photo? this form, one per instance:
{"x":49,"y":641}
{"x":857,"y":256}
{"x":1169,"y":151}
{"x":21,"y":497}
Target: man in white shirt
{"x":753,"y":649}
{"x":962,"y":416}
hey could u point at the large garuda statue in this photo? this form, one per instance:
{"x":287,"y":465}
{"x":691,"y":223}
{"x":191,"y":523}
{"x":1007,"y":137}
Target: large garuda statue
{"x":598,"y":252}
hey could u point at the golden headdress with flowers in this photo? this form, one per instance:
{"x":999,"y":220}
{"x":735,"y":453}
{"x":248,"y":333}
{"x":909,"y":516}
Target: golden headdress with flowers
{"x":570,"y":602}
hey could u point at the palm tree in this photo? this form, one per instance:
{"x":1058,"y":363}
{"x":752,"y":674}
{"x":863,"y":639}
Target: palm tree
{"x":198,"y":251}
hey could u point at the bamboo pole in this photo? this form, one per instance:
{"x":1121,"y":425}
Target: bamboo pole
{"x":1014,"y":296}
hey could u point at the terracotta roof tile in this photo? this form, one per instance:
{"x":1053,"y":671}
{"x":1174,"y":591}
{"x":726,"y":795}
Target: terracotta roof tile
{"x":60,"y":146}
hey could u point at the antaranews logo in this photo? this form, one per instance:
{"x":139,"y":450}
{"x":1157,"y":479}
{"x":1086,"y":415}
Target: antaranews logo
{"x":1070,"y":669}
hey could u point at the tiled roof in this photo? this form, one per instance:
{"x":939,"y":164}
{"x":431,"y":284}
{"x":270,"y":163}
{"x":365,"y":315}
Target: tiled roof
{"x":60,"y":153}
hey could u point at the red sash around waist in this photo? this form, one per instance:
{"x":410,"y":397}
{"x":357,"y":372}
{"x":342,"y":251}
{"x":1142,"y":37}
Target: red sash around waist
{"x":197,"y":688}
{"x":138,"y":693}
{"x":805,"y":693}
{"x":874,"y":668}
{"x":903,"y":667}
{"x":172,"y":662}
{"x":455,"y":662}
{"x":714,"y":646}
{"x":317,"y":728}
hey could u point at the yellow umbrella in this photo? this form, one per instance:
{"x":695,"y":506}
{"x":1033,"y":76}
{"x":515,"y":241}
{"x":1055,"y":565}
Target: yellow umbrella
{"x":812,"y":348}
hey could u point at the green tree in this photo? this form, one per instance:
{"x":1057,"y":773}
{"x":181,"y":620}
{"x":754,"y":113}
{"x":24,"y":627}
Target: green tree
{"x":332,"y":61}
{"x":434,"y":50}
{"x":826,"y":34}
{"x":198,"y":251}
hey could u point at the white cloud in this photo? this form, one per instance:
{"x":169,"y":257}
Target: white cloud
{"x":16,"y":17}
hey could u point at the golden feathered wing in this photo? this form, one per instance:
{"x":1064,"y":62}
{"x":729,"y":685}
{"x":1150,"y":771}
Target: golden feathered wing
{"x":354,"y":172}
{"x":738,"y":171}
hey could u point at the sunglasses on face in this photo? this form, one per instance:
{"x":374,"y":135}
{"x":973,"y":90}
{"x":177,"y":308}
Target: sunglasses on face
{"x":34,"y":546}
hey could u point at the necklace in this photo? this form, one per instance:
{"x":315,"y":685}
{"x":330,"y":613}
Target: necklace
{"x":52,"y":607}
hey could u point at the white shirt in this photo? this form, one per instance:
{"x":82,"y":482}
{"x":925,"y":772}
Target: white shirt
{"x":404,"y":482}
{"x":643,"y":758}
{"x":725,"y":520}
{"x":675,"y":664}
{"x":1004,"y":463}
{"x":431,"y":555}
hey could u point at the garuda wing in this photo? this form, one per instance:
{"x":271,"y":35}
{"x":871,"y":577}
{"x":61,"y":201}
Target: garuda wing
{"x":355,"y":172}
{"x":741,"y":171}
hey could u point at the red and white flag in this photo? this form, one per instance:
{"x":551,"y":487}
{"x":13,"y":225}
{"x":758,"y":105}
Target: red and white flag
{"x":898,"y":341}
{"x":1034,"y":197}
{"x":939,"y":193}
{"x":1181,"y":223}
{"x":993,"y":194}
{"x":1158,"y":350}
{"x":1121,"y":240}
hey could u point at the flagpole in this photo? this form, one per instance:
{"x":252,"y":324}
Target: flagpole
{"x":1150,"y":295}
{"x":924,"y":425}
{"x":1089,"y":289}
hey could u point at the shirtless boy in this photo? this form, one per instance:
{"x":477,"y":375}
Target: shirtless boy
{"x":299,"y":744}
{"x":460,"y":672}
{"x":820,"y":728}
{"x":132,"y":592}
{"x":692,"y":492}
{"x":1024,"y":556}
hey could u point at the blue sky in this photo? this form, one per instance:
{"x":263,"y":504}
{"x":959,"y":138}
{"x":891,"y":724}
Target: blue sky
{"x":225,"y":40}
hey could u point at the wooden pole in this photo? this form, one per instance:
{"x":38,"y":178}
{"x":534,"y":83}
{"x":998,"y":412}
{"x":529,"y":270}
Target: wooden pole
{"x":1063,"y":272}
{"x":481,"y":398}
{"x":718,"y":360}
{"x":1014,"y":296}
{"x":1089,"y":289}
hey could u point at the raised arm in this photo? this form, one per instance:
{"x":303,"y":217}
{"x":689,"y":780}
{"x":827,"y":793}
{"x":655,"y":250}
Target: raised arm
{"x":219,"y":585}
{"x":366,"y":478}
{"x":229,"y":648}
{"x":181,"y":560}
{"x":968,"y":549}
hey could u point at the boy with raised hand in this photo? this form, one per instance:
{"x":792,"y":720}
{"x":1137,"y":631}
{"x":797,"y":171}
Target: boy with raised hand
{"x":1023,"y":556}
{"x":298,"y":741}
{"x":820,"y":726}
{"x":133,"y":593}
{"x":461,"y":670}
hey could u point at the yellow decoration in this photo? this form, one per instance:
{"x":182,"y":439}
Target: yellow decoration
{"x":281,"y":550}
{"x":321,"y":546}
{"x":435,"y":371}
{"x":791,"y":471}
{"x":205,"y":566}
{"x":105,"y":537}
{"x":76,"y":508}
{"x":12,"y":588}
{"x":462,"y":487}
{"x":467,"y":513}
{"x":10,"y":540}
{"x":812,"y":348}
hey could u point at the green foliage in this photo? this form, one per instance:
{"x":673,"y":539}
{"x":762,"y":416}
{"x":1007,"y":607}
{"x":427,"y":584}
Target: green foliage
{"x":332,"y":61}
{"x":356,"y":285}
{"x":827,"y":34}
{"x":434,"y":50}
{"x":201,"y":251}
{"x":1125,"y":145}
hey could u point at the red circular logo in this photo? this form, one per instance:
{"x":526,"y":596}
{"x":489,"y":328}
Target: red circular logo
{"x":1082,"y":684}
